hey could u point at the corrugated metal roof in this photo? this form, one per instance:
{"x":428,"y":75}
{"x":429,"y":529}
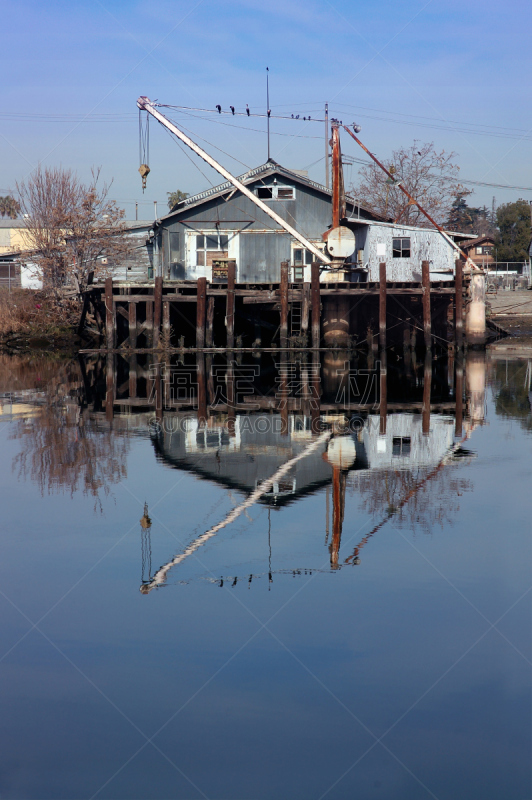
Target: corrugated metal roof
{"x":265,"y":170}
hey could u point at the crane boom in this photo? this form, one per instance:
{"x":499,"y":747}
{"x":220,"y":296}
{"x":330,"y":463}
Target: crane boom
{"x":145,"y":104}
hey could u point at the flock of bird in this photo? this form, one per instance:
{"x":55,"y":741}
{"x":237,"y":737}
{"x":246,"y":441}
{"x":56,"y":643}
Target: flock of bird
{"x":248,"y":112}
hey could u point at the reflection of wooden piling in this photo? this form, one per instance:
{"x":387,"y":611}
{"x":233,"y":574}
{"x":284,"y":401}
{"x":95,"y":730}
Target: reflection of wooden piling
{"x":200,"y":312}
{"x":427,"y":381}
{"x":283,"y":290}
{"x":210,"y":322}
{"x":132,"y":364}
{"x":383,"y":394}
{"x":157,"y":309}
{"x":382,"y":305}
{"x":316,"y":393}
{"x":283,"y":367}
{"x":459,"y":304}
{"x":315,"y":303}
{"x":132,"y":323}
{"x":230,"y":307}
{"x":425,"y":279}
{"x":109,"y":314}
{"x":459,"y":394}
{"x":202,"y":394}
{"x":230,"y":394}
{"x":338,"y":493}
{"x":158,"y":382}
{"x":109,"y":387}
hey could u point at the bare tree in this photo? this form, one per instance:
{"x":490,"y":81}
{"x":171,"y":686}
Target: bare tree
{"x":70,"y":227}
{"x":429,"y":176}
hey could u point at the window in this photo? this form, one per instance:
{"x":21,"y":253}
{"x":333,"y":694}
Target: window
{"x":401,"y":446}
{"x":211,"y":246}
{"x":302,"y":256}
{"x":174,"y":247}
{"x":401,"y":248}
{"x":275,"y":192}
{"x":486,"y":251}
{"x":478,"y":251}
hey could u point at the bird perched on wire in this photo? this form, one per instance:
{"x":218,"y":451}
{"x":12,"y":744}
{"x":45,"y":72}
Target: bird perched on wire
{"x":247,"y":109}
{"x":232,"y":110}
{"x":269,"y":112}
{"x":219,"y":109}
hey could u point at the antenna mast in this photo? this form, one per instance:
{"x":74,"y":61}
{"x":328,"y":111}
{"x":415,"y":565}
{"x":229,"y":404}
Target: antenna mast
{"x":268,"y":106}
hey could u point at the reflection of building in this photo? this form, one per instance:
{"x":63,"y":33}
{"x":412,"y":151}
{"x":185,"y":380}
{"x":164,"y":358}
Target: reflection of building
{"x":404,"y":445}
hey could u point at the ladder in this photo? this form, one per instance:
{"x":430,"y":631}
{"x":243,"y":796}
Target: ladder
{"x":295,"y":319}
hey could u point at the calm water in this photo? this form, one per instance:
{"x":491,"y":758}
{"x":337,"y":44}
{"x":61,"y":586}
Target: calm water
{"x":360,"y":627}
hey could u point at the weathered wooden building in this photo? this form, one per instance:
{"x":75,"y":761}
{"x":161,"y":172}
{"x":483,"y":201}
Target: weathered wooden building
{"x":221,"y":223}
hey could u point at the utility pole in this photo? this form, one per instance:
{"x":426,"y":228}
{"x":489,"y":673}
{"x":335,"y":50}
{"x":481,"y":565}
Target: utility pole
{"x":327,"y":145}
{"x":155,"y":208}
{"x":268,"y":106}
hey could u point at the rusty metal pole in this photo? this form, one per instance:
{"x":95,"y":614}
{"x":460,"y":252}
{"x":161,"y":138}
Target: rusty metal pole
{"x":425,"y":279}
{"x":283,"y":290}
{"x":157,"y":309}
{"x":230,"y":304}
{"x":200,"y":312}
{"x":382,"y":304}
{"x":459,"y":304}
{"x":335,"y":175}
{"x":305,"y":309}
{"x":109,"y":314}
{"x":315,"y":303}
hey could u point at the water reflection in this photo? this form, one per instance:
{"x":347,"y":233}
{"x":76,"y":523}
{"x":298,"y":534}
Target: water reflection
{"x":389,"y":432}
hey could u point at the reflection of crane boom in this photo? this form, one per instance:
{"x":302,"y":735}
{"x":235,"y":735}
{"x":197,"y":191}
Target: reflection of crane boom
{"x":160,"y":576}
{"x":353,"y":558}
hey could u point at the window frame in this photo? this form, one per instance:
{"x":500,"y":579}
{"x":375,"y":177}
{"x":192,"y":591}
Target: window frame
{"x":404,"y":252}
{"x":205,"y":236}
{"x":274,"y":188}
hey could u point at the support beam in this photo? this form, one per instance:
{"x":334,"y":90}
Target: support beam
{"x":166,"y":322}
{"x":157,"y":310}
{"x":109,"y":314}
{"x":425,"y":280}
{"x":230,"y":304}
{"x":315,"y":303}
{"x":200,"y":312}
{"x":283,"y":291}
{"x":382,"y":305}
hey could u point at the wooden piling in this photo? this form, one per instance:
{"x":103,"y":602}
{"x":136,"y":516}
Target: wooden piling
{"x":109,"y":314}
{"x":210,"y":322}
{"x":200,"y":312}
{"x":283,"y":401}
{"x":132,"y":376}
{"x":132,"y":323}
{"x":315,"y":303}
{"x":382,"y":304}
{"x":305,"y":309}
{"x":149,"y":323}
{"x":157,"y":310}
{"x":458,"y":304}
{"x":230,"y":305}
{"x":230,"y":394}
{"x":166,"y":322}
{"x":425,"y":279}
{"x":283,"y":291}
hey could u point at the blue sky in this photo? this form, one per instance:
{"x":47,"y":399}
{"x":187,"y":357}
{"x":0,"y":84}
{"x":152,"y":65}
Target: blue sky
{"x":454,"y":73}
